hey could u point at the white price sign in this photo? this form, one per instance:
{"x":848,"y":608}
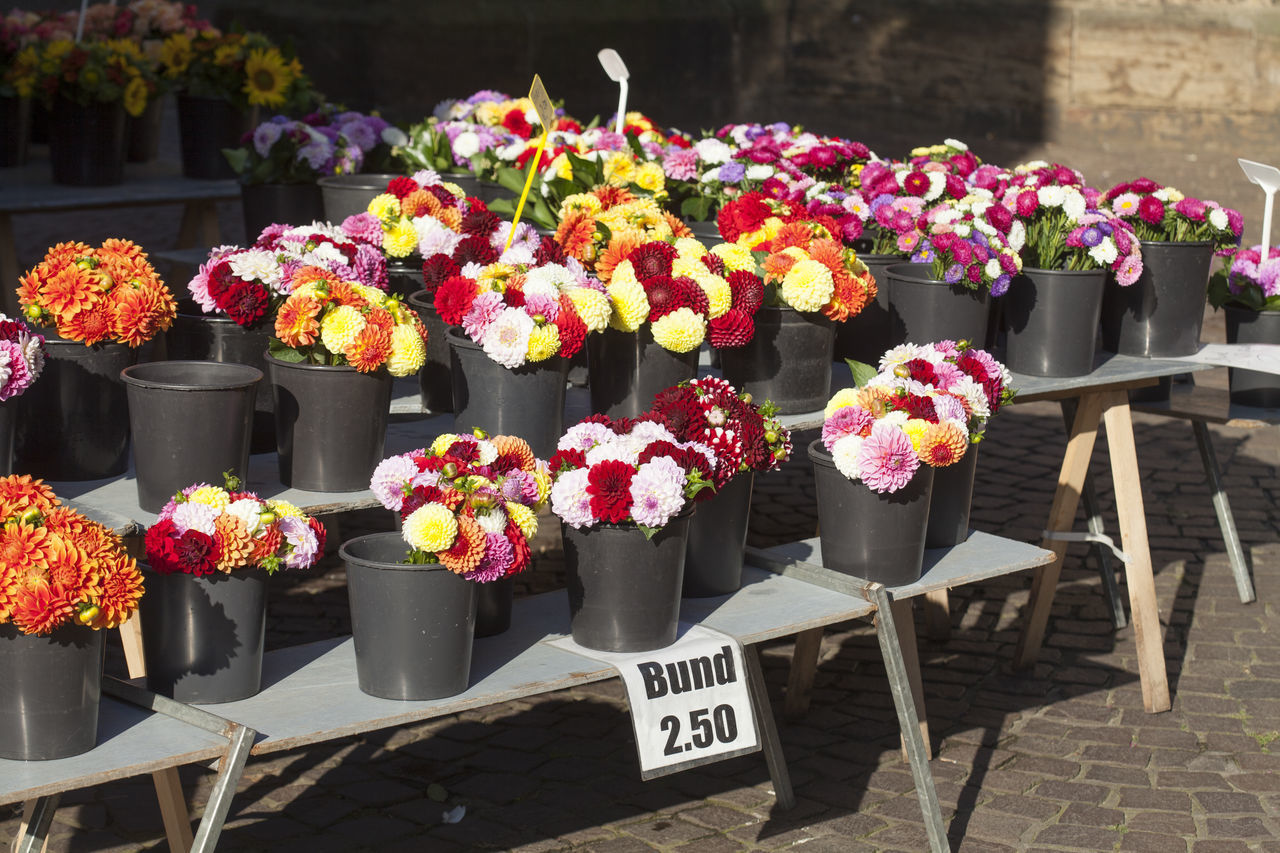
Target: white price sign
{"x":690,"y":703}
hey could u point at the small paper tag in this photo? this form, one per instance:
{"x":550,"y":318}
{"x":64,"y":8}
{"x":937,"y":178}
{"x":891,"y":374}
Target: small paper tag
{"x":542,"y":104}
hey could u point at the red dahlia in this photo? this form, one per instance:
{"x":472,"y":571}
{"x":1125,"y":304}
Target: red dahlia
{"x":609,"y":485}
{"x":549,"y":252}
{"x":401,"y":186}
{"x":245,"y":302}
{"x":692,"y":295}
{"x":567,"y":460}
{"x":920,"y":407}
{"x":453,"y":299}
{"x":747,"y":289}
{"x":664,"y":296}
{"x":733,"y":328}
{"x":475,"y":249}
{"x":713,"y":263}
{"x":437,"y":268}
{"x":921,"y":371}
{"x":573,"y":332}
{"x":480,"y":221}
{"x":653,"y":259}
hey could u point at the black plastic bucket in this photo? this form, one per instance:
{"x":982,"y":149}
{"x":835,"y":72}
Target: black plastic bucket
{"x":527,"y":401}
{"x":8,"y":424}
{"x":15,"y":118}
{"x":717,"y":537}
{"x":52,"y":684}
{"x":879,"y":537}
{"x":628,"y":369}
{"x":865,"y":336}
{"x":1253,"y":387}
{"x":286,"y":204}
{"x":203,"y":337}
{"x":205,"y":127}
{"x":142,"y":133}
{"x":191,"y":422}
{"x":435,"y":379}
{"x":951,"y":500}
{"x":787,"y":360}
{"x":924,"y":310}
{"x":203,"y":636}
{"x":412,"y":625}
{"x":347,"y":195}
{"x":493,"y":606}
{"x":1052,"y":319}
{"x":331,"y":424}
{"x":404,"y":276}
{"x":1160,"y":314}
{"x":87,"y":143}
{"x":624,"y":589}
{"x":73,"y":424}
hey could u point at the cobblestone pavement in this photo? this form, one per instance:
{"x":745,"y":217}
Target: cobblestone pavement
{"x":1061,"y":757}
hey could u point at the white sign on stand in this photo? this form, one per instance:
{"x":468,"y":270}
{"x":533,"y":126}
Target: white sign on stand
{"x":690,"y":703}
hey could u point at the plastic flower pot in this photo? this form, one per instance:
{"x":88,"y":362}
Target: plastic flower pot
{"x":871,"y":535}
{"x":142,"y":133}
{"x":624,"y":589}
{"x":347,"y":195}
{"x":527,"y":401}
{"x":865,"y":336}
{"x":202,"y":637}
{"x":923,"y":309}
{"x":717,"y":538}
{"x":787,"y":360}
{"x":493,"y":606}
{"x":628,"y":369}
{"x":205,"y":127}
{"x":87,"y":143}
{"x":52,"y":684}
{"x":287,"y":204}
{"x":412,"y":625}
{"x":1253,"y":387}
{"x":8,"y":425}
{"x":15,"y":118}
{"x":191,"y":421}
{"x":435,"y":379}
{"x":404,"y":276}
{"x":205,"y":337}
{"x":73,"y":424}
{"x":331,"y":424}
{"x":1052,"y":318}
{"x":951,"y":501}
{"x":486,"y":191}
{"x":1159,"y":314}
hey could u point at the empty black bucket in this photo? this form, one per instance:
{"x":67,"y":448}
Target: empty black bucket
{"x":52,"y":684}
{"x":191,"y":422}
{"x":1052,"y":318}
{"x":787,"y":360}
{"x":923,"y":309}
{"x":628,"y":369}
{"x":879,"y":537}
{"x":203,"y":636}
{"x":717,"y":537}
{"x":347,"y":195}
{"x":412,"y":625}
{"x":205,"y":127}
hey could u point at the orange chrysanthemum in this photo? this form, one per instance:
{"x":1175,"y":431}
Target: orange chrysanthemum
{"x":90,"y":325}
{"x":297,"y":324}
{"x":576,"y":236}
{"x":677,"y":225}
{"x":942,"y":444}
{"x":619,"y":249}
{"x":611,"y":196}
{"x":371,"y":347}
{"x":777,"y":265}
{"x":89,"y":536}
{"x":468,"y":548}
{"x":25,"y":548}
{"x":41,"y":607}
{"x":514,"y":446}
{"x":69,"y":567}
{"x":69,"y":292}
{"x":829,"y":253}
{"x":235,"y":545}
{"x":138,"y":315}
{"x":121,"y":589}
{"x":124,"y":250}
{"x":792,"y":234}
{"x":21,"y":492}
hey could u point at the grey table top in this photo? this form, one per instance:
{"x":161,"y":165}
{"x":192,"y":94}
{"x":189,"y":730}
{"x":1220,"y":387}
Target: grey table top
{"x":29,"y":189}
{"x":310,"y":692}
{"x":1109,"y":370}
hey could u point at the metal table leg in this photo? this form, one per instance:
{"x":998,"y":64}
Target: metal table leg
{"x":772,"y":744}
{"x":1222,"y":508}
{"x":36,"y":831}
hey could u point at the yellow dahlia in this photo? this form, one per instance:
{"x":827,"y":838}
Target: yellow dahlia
{"x":340,"y":326}
{"x":489,"y":113}
{"x":943,"y":444}
{"x":561,"y":168}
{"x":735,"y":257}
{"x":542,"y":476}
{"x":807,"y":286}
{"x":630,"y":304}
{"x":443,"y":442}
{"x":524,"y":518}
{"x":284,"y":509}
{"x":619,"y":168}
{"x":719,"y":295}
{"x":649,"y":177}
{"x":592,"y":306}
{"x":580,"y":202}
{"x":401,"y":239}
{"x":213,"y":496}
{"x":408,"y":353}
{"x":431,"y":528}
{"x":385,"y":206}
{"x":914,"y":428}
{"x":680,"y":331}
{"x":843,"y":397}
{"x":544,"y":342}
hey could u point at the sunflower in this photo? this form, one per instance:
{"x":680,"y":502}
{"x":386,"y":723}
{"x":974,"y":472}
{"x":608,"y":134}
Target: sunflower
{"x":267,"y":76}
{"x":135,"y":96}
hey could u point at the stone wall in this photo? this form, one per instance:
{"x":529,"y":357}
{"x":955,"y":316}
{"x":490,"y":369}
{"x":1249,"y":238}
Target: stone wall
{"x":1173,"y":90}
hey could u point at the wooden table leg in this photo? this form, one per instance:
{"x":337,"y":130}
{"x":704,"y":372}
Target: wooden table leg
{"x":1075,"y":465}
{"x":199,"y":225}
{"x":937,"y":615}
{"x":804,"y":665}
{"x":1139,"y":576}
{"x":904,"y":624}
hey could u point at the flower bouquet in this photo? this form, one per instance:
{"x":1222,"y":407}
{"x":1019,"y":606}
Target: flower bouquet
{"x":61,"y":575}
{"x":1065,"y":232}
{"x":243,"y":69}
{"x":393,"y":218}
{"x":282,"y":150}
{"x":621,"y":490}
{"x":22,"y":354}
{"x":974,"y":242}
{"x":952,"y":154}
{"x":1248,"y":288}
{"x":600,"y":228}
{"x":1163,"y":214}
{"x":210,"y":552}
{"x":891,"y":198}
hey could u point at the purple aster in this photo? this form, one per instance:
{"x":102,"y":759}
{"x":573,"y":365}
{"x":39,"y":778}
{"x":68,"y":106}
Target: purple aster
{"x":1091,"y":236}
{"x":731,"y":172}
{"x":359,"y":133}
{"x":953,"y":274}
{"x":1001,"y":284}
{"x":886,"y":459}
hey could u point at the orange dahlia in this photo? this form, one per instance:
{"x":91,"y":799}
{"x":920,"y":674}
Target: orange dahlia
{"x":829,"y":253}
{"x":235,"y":545}
{"x":517,"y":448}
{"x":942,"y":444}
{"x":792,"y":234}
{"x":69,"y":567}
{"x":468,"y":548}
{"x":24,"y":548}
{"x":313,"y":275}
{"x":619,"y":249}
{"x":140,"y":314}
{"x":777,"y":264}
{"x":20,"y":492}
{"x":9,"y":584}
{"x":575,"y":235}
{"x":611,"y":196}
{"x":345,"y":293}
{"x":41,"y":607}
{"x":90,"y":325}
{"x":370,"y":349}
{"x":266,"y":544}
{"x":69,"y":291}
{"x":677,"y":225}
{"x":451,"y":217}
{"x":120,"y":591}
{"x":115,"y":248}
{"x":297,"y":324}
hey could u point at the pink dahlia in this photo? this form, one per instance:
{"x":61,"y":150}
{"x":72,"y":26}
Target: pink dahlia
{"x":887,"y":459}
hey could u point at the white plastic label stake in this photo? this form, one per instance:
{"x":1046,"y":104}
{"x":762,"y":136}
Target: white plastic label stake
{"x":690,"y":703}
{"x":617,"y":71}
{"x":1267,"y":177}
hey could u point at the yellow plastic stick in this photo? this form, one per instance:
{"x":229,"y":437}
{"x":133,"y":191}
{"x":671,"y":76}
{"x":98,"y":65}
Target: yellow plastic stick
{"x":528,"y":182}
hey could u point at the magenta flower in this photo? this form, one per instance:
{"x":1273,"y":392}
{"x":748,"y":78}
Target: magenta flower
{"x":886,"y":459}
{"x":849,"y":420}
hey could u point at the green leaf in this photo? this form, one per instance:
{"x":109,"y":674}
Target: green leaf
{"x":278,"y":350}
{"x":697,"y":208}
{"x":647,"y":531}
{"x":862,"y":372}
{"x":238,"y":158}
{"x":512,"y":179}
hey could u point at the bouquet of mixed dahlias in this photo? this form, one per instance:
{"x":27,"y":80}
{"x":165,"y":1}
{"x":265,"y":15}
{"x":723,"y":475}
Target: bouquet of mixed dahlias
{"x":1246,"y":280}
{"x":59,"y":567}
{"x":804,"y":265}
{"x":675,"y":288}
{"x":711,"y":413}
{"x":614,"y":472}
{"x":326,"y":320}
{"x":91,"y":295}
{"x":570,"y":172}
{"x":1162,"y":214}
{"x":973,"y":242}
{"x":207,"y":529}
{"x":600,"y":228}
{"x":468,"y":503}
{"x":1063,"y":232}
{"x":391,"y":220}
{"x":21,"y":357}
{"x":972,"y":374}
{"x":523,"y":312}
{"x":249,"y":285}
